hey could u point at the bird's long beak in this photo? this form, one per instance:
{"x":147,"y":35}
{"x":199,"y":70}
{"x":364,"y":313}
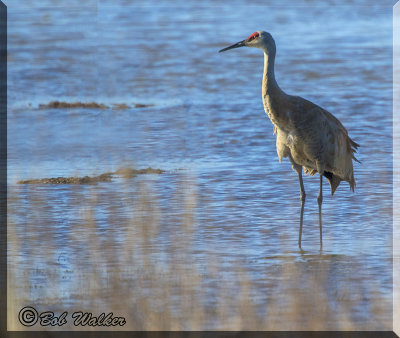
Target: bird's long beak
{"x":236,"y":45}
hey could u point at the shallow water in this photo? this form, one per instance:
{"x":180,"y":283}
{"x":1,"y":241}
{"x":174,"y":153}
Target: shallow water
{"x":223,"y":219}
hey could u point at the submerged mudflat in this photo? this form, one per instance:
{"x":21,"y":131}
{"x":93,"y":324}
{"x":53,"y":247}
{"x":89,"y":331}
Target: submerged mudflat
{"x":106,"y":177}
{"x":78,"y":104}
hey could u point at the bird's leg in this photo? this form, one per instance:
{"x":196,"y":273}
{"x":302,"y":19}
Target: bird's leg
{"x":303,"y":199}
{"x":299,"y":168}
{"x":319,"y":199}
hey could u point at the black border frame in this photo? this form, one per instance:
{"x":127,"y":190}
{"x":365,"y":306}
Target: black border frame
{"x":100,"y":334}
{"x":3,"y":167}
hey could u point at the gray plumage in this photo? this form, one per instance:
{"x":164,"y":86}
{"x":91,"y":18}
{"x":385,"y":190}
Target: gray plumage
{"x":311,"y":137}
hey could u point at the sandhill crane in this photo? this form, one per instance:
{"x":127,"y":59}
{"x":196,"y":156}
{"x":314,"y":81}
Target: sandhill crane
{"x":310,"y":136}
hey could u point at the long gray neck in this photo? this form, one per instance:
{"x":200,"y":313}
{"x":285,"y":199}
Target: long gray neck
{"x":272,"y":95}
{"x":269,"y":85}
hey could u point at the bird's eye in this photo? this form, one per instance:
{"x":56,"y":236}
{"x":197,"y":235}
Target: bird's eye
{"x":253,"y":36}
